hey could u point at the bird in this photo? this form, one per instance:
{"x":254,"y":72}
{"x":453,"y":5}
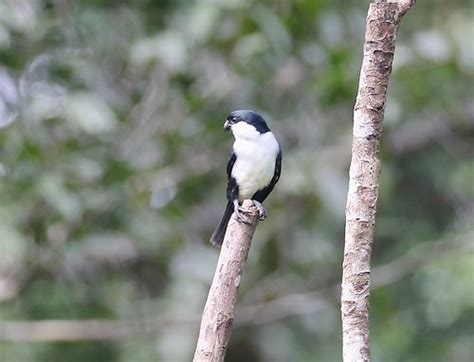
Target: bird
{"x":253,"y":168}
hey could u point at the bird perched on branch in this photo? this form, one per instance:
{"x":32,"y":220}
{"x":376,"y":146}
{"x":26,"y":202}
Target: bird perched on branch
{"x":253,"y":168}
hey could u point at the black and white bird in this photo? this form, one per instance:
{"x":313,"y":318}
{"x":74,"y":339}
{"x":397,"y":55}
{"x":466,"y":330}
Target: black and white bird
{"x":253,"y":169}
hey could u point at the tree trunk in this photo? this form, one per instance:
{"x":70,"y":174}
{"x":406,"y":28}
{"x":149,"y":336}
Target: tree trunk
{"x":383,"y":19}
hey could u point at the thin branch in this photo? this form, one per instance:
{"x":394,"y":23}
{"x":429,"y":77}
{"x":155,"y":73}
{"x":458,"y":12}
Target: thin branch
{"x":67,"y":330}
{"x":218,"y":315}
{"x":91,"y":329}
{"x":287,"y":306}
{"x":300,"y":304}
{"x":421,"y":132}
{"x":383,"y":19}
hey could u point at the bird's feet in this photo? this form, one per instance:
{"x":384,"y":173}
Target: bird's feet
{"x":240,"y":212}
{"x":262,"y":212}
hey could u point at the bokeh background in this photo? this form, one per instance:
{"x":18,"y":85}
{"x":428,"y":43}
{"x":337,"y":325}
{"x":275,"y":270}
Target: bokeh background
{"x":112,"y":178}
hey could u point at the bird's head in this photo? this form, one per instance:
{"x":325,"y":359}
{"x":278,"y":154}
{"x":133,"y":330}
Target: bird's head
{"x":246,"y":124}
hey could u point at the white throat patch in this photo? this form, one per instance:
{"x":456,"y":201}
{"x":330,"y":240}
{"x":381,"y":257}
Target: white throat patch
{"x":243,"y":130}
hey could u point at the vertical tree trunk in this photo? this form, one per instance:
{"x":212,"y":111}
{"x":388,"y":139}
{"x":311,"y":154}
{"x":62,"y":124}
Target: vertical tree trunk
{"x":218,"y":315}
{"x":383,"y":19}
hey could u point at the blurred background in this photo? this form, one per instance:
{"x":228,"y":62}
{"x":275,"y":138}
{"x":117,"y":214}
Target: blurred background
{"x":112,"y":178}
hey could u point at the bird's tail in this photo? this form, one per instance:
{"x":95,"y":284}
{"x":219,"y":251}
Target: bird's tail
{"x":218,"y":236}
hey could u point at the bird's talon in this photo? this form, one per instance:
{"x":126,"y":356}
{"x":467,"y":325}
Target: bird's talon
{"x":241,"y":210}
{"x":262,"y":212}
{"x":242,"y":220}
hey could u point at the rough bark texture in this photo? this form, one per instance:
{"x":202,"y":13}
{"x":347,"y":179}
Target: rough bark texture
{"x":218,"y":315}
{"x":382,"y":22}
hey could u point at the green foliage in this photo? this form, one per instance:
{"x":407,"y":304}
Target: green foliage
{"x":112,"y":174}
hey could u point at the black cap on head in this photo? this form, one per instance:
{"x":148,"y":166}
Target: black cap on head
{"x":249,"y":117}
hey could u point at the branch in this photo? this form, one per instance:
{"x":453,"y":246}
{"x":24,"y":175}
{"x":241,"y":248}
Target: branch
{"x":300,"y":304}
{"x":218,"y":315}
{"x":71,"y":330}
{"x":383,"y":19}
{"x":67,"y":330}
{"x":251,"y":314}
{"x":436,"y":128}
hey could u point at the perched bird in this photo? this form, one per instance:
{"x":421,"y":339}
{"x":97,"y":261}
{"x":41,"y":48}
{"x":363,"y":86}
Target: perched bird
{"x":253,"y":168}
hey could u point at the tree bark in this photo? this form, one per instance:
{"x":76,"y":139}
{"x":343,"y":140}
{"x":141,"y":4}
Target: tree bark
{"x":218,"y":315}
{"x":383,"y":19}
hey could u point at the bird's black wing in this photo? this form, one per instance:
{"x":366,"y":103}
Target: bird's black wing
{"x":232,"y":193}
{"x":230,"y":164}
{"x":232,"y":187}
{"x":262,"y":194}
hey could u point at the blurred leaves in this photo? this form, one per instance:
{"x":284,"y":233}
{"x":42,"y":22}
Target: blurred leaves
{"x":112,"y":174}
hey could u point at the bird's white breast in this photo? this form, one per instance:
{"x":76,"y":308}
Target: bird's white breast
{"x":255,"y":163}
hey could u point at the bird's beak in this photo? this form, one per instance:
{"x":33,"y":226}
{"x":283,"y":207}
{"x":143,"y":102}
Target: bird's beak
{"x":227,"y":125}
